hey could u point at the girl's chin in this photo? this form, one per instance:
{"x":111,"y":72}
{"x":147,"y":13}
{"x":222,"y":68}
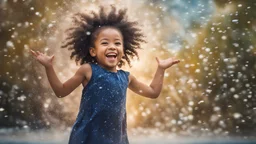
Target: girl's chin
{"x":112,"y":61}
{"x":112,"y":65}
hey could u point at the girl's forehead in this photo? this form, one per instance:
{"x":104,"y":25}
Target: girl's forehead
{"x":110,"y":33}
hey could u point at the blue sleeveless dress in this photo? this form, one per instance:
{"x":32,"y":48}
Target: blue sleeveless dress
{"x":102,"y":113}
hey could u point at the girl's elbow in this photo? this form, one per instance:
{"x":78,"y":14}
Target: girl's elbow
{"x":60,"y":95}
{"x":154,"y":96}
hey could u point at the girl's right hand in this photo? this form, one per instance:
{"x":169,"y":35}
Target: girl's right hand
{"x":44,"y":59}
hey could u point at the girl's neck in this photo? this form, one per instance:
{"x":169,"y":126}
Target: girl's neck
{"x":110,"y":69}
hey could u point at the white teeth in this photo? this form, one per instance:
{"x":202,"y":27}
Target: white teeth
{"x":112,"y":55}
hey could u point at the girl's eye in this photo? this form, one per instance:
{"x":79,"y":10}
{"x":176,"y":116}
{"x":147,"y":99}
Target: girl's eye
{"x":104,"y":43}
{"x":118,"y":43}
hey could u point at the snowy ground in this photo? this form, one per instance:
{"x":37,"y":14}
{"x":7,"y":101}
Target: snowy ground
{"x":43,"y":137}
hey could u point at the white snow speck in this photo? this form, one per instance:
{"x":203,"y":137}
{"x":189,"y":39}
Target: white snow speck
{"x":208,"y":90}
{"x":37,"y":13}
{"x":201,"y":56}
{"x":190,"y":117}
{"x":1,"y":109}
{"x":207,"y":49}
{"x":200,"y":102}
{"x":88,"y":33}
{"x":225,"y":60}
{"x":224,"y":37}
{"x":21,"y":98}
{"x":46,"y":105}
{"x":237,"y":115}
{"x":236,"y":96}
{"x":190,"y":103}
{"x":232,"y":89}
{"x":50,"y":25}
{"x":216,"y":108}
{"x":173,"y":121}
{"x":236,"y":44}
{"x":9,"y":44}
{"x":194,"y":35}
{"x":235,"y":20}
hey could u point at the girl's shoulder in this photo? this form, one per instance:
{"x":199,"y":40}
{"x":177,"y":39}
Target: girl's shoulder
{"x":126,"y":74}
{"x":124,"y":71}
{"x":86,"y":67}
{"x":87,"y":70}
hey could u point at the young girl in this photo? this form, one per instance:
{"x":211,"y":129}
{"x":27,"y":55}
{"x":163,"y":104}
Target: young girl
{"x":101,"y":42}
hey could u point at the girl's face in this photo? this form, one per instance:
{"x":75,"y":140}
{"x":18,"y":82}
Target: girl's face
{"x":108,"y":48}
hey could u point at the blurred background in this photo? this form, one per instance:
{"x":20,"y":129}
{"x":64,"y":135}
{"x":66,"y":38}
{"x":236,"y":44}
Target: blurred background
{"x":209,"y":95}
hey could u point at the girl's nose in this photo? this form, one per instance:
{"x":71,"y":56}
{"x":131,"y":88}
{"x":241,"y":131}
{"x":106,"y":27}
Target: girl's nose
{"x":112,"y":47}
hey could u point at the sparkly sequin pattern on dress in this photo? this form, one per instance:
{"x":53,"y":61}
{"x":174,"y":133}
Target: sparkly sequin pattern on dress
{"x":102,"y":114}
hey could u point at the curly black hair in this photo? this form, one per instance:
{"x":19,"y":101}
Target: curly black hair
{"x":86,"y":28}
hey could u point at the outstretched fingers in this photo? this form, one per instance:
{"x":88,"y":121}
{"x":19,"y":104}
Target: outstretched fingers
{"x":34,"y":53}
{"x":39,"y":53}
{"x":176,"y":61}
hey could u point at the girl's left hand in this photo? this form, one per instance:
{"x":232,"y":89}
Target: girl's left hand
{"x":164,"y":64}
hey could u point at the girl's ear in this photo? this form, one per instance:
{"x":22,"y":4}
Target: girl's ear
{"x":92,"y":52}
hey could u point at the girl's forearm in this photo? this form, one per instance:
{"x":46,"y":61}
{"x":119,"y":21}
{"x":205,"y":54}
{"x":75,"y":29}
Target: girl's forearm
{"x":54,"y":81}
{"x":157,"y":82}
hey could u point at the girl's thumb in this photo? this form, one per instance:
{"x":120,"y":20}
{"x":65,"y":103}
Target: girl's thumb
{"x":52,"y":57}
{"x":157,"y":59}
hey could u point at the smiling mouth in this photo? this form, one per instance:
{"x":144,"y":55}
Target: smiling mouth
{"x":111,"y":55}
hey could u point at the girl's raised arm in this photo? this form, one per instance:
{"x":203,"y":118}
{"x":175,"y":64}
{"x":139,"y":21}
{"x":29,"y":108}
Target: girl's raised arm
{"x":62,"y":89}
{"x":155,"y":87}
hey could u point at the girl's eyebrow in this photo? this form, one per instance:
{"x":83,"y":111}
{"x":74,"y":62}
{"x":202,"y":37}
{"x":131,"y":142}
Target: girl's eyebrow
{"x":104,"y":39}
{"x":108,"y":39}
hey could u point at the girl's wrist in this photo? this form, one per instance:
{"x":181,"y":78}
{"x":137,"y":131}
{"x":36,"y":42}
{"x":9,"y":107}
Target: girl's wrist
{"x":161,"y":68}
{"x":48,"y":66}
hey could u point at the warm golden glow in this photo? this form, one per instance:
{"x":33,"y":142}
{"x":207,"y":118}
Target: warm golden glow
{"x":156,"y":35}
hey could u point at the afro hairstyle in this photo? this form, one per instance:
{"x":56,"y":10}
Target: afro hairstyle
{"x":82,"y":35}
